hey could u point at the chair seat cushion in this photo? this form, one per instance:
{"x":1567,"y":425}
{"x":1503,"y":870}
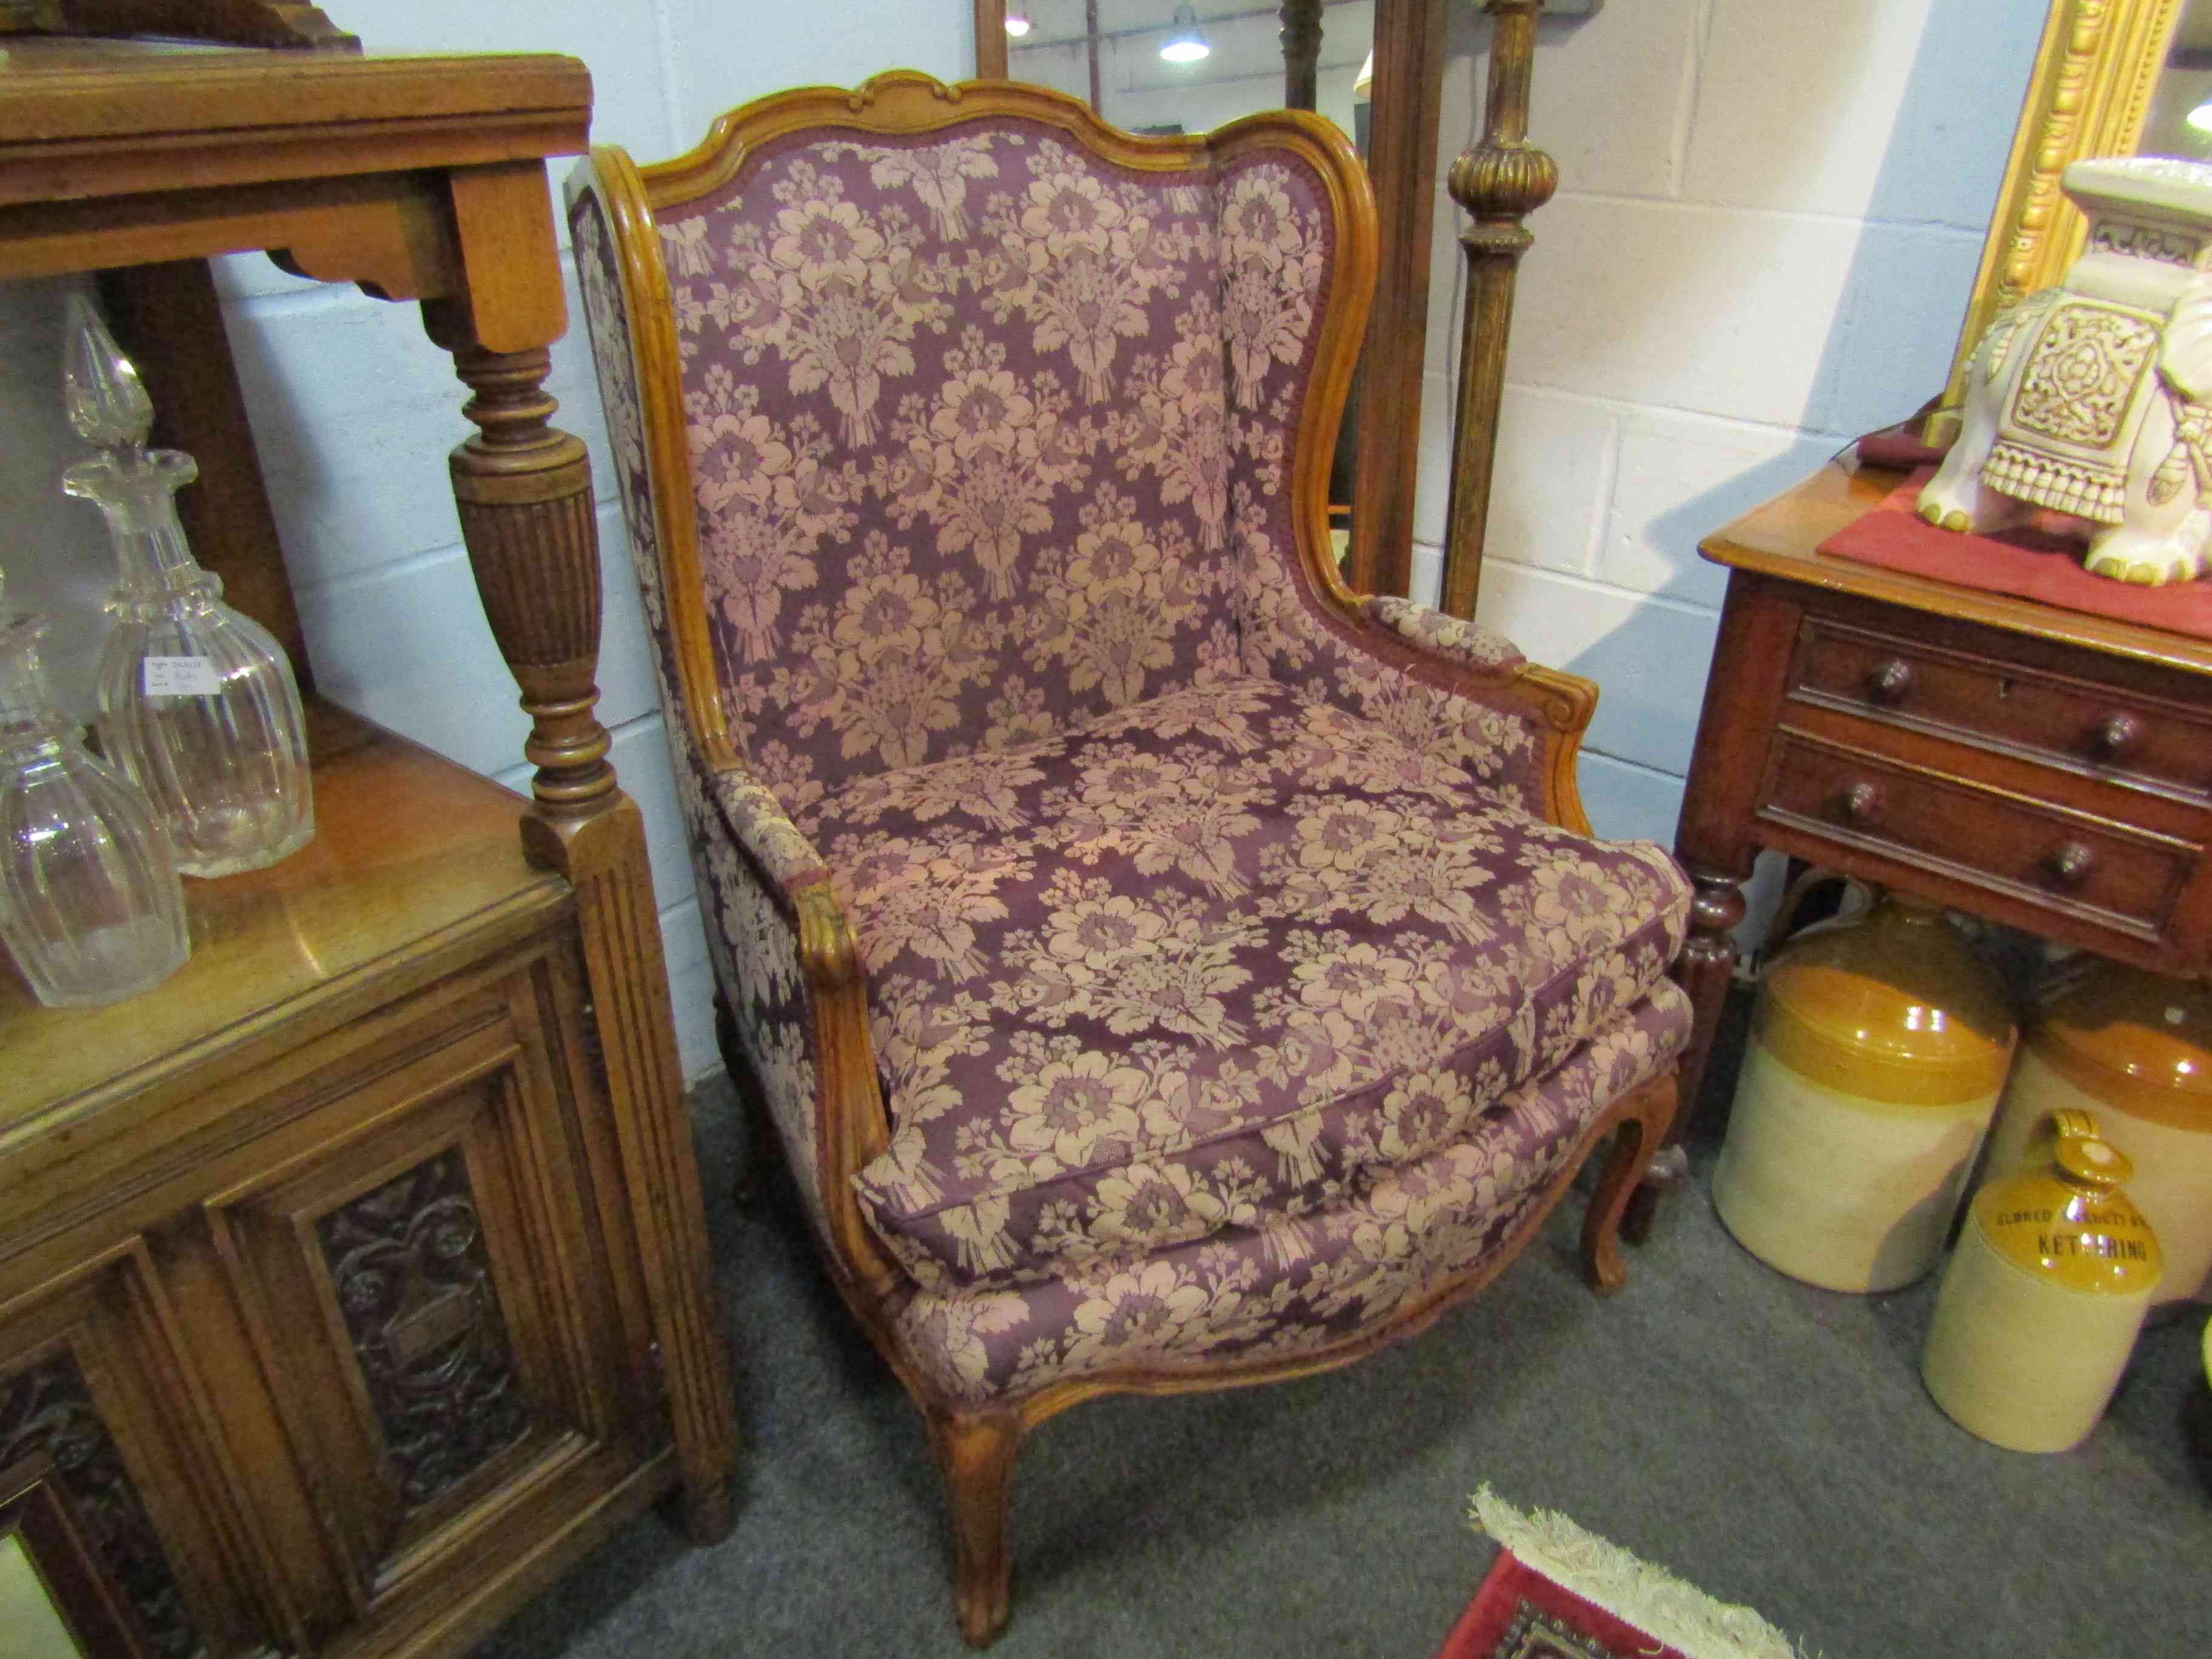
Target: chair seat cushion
{"x":1408,"y":1238}
{"x":1212,"y":960}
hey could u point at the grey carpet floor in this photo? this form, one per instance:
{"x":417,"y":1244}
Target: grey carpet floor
{"x":1770,"y":1442}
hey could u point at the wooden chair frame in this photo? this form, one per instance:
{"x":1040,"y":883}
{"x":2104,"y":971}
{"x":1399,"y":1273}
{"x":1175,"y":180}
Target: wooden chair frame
{"x":975,"y":1448}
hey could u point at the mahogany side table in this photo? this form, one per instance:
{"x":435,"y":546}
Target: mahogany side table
{"x":2044,"y":768}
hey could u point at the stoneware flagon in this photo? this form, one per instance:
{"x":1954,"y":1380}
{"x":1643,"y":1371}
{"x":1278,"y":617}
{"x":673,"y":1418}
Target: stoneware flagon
{"x":1876,"y":1054}
{"x":2041,"y":1301}
{"x":2135,"y":1049}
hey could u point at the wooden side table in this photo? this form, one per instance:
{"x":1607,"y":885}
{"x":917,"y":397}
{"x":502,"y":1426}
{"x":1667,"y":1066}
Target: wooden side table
{"x":357,"y":1278}
{"x":2045,"y":768}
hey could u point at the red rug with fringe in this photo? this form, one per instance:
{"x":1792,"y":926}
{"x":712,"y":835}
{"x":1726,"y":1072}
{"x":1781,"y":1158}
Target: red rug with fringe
{"x":1557,"y":1592}
{"x":1518,"y":1613}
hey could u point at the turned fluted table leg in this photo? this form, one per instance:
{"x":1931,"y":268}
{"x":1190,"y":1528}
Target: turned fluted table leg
{"x":524,"y":488}
{"x":1703,"y":969}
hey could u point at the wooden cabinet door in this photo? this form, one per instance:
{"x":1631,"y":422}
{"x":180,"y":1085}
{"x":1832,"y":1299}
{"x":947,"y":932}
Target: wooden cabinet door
{"x":95,"y":1377}
{"x":429,"y":1307}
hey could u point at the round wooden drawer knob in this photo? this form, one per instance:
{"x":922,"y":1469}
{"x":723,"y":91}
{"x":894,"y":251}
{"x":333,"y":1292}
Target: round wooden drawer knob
{"x":2116,"y":737}
{"x":1889,"y":681}
{"x":2068,"y":864}
{"x":1861,"y":804}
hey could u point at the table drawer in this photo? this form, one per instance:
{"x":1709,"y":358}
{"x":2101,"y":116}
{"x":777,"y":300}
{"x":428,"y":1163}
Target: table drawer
{"x":2044,"y":855}
{"x":1996,"y":704}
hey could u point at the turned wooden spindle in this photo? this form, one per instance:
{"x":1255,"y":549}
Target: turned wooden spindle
{"x":524,"y":490}
{"x":1301,"y":53}
{"x":1499,"y":182}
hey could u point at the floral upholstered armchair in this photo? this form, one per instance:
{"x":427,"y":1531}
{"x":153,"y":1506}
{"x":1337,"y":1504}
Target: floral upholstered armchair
{"x":1162,"y":968}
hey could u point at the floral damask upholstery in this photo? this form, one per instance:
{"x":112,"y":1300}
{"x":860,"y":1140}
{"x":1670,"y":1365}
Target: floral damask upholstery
{"x":1286,"y":1284}
{"x":1210,"y":962}
{"x":1155,"y":962}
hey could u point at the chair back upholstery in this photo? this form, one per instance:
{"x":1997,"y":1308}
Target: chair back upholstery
{"x":968,"y":384}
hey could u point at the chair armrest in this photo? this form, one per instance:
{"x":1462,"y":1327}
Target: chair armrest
{"x":793,"y":947}
{"x":1452,"y":689}
{"x":1483,"y":649}
{"x":777,"y":847}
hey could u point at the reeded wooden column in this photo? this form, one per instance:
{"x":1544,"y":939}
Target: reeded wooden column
{"x":1499,"y":182}
{"x":523,"y":491}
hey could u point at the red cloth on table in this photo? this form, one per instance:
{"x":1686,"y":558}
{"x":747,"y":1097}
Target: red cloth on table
{"x":1899,"y":446}
{"x":2029,"y":559}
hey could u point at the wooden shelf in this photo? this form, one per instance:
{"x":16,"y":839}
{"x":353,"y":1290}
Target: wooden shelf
{"x":410,"y":850}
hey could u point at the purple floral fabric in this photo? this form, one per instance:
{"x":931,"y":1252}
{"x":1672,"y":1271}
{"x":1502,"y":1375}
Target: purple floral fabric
{"x":956,"y":420}
{"x":1287,"y":631}
{"x":747,"y":858}
{"x":1214,"y":957}
{"x":1294,"y":1284}
{"x":1224,"y":999}
{"x":1481,"y":648}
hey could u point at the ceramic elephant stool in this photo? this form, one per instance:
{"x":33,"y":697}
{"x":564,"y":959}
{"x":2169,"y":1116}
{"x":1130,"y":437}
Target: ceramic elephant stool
{"x":2091,"y":398}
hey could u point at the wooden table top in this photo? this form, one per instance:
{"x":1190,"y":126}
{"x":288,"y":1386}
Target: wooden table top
{"x":1781,"y":539}
{"x":408,"y":847}
{"x":80,"y":120}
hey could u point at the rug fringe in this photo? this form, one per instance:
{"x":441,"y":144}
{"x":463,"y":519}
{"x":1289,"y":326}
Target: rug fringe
{"x":1631,"y":1589}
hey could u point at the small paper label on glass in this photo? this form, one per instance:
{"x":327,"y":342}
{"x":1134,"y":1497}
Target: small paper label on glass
{"x":181,"y":677}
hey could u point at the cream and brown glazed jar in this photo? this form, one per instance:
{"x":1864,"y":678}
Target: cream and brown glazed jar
{"x":2136,"y":1050}
{"x":2041,"y":1301}
{"x":1876,"y":1054}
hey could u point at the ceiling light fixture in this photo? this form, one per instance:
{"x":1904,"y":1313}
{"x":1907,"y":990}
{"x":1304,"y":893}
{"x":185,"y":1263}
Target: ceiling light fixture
{"x":1018,"y":24}
{"x":1184,"y":44}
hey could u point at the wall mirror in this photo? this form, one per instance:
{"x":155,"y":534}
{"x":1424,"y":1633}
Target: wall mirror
{"x":1376,"y":67}
{"x":2112,"y":77}
{"x":1173,"y":66}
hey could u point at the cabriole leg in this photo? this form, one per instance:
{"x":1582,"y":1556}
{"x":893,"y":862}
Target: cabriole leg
{"x":975,"y":1453}
{"x":1649,"y":1110}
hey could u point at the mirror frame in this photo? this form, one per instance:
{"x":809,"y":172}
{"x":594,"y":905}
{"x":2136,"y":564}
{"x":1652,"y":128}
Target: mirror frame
{"x":1409,"y":45}
{"x":2088,"y":96}
{"x":990,"y":39}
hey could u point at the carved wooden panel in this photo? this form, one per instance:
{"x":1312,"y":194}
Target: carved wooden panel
{"x":409,"y":1272}
{"x":93,"y":1376}
{"x":46,"y":1407}
{"x":407,"y":1263}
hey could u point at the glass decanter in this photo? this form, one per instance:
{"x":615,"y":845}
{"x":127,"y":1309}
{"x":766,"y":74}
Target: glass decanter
{"x":198,"y":703}
{"x":90,"y":905}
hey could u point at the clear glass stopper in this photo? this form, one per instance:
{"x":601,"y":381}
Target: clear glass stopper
{"x":106,"y":401}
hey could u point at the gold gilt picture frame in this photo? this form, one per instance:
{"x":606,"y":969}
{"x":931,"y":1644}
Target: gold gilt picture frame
{"x":2091,"y":87}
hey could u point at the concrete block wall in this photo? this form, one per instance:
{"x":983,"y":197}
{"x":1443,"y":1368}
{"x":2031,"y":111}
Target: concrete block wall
{"x":1768,"y":218}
